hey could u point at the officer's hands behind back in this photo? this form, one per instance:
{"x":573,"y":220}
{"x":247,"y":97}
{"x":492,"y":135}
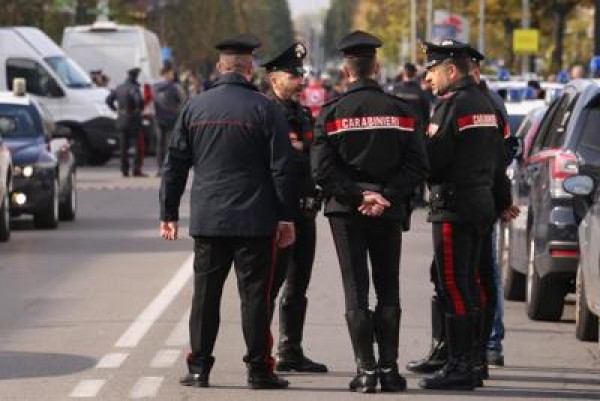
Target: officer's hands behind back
{"x":373,"y":204}
{"x":286,"y":234}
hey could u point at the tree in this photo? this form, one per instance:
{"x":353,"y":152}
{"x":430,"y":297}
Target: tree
{"x":338,"y":22}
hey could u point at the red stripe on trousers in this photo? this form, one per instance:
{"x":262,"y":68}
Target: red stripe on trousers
{"x":482,"y":293}
{"x":459,"y":306}
{"x":268,"y":357}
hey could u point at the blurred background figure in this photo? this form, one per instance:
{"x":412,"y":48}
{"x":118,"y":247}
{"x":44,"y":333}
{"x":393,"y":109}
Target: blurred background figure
{"x":409,"y":89}
{"x":577,"y":72}
{"x":314,"y":96}
{"x":99,"y":78}
{"x":169,"y":97}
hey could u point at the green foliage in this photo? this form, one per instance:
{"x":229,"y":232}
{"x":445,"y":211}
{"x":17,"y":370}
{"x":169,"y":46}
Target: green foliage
{"x":338,"y":22}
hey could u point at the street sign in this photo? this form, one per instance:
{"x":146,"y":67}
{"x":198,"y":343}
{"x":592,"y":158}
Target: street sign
{"x":526,"y":41}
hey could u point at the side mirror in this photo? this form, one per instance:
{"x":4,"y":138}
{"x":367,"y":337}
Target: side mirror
{"x":582,"y":187}
{"x":579,"y":185}
{"x":62,"y":131}
{"x":54,"y":90}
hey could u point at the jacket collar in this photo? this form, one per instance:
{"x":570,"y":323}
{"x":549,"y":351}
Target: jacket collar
{"x":233,"y":78}
{"x":363,"y":84}
{"x":461,"y":84}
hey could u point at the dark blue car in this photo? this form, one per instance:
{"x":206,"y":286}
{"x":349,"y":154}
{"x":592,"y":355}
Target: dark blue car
{"x":44,"y":183}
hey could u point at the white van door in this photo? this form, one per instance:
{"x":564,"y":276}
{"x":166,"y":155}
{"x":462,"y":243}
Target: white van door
{"x":39,"y":83}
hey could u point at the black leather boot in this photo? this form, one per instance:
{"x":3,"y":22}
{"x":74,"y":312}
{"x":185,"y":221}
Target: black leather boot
{"x":438,"y":353}
{"x":360,"y":326}
{"x":198,"y":374}
{"x":457,"y":374}
{"x":387,"y":332}
{"x":290,"y":356}
{"x":261,"y":377}
{"x":476,"y":349}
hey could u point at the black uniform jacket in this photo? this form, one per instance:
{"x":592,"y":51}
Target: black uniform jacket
{"x":367,"y":140}
{"x":466,"y":155}
{"x":129,"y":104}
{"x":236,"y":139}
{"x":411,"y":92}
{"x":300,"y":130}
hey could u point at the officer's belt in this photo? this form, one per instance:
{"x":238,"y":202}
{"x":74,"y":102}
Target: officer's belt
{"x":370,"y":186}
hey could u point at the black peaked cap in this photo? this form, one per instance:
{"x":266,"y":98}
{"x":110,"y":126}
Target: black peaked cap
{"x":359,"y":43}
{"x":241,"y":44}
{"x":447,"y":49}
{"x":289,"y":60}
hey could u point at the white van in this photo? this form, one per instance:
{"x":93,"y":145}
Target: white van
{"x":114,"y":49}
{"x":63,"y":87}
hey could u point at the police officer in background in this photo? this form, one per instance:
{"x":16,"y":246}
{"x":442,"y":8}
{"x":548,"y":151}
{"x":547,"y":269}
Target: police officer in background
{"x":295,"y":263}
{"x":367,"y":156}
{"x":236,"y":141}
{"x":129,"y":107}
{"x":409,"y":88}
{"x":466,"y":155}
{"x":490,"y":287}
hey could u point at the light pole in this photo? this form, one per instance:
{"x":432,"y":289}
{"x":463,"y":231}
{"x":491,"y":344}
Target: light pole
{"x":525,"y":24}
{"x":481,"y":43}
{"x":413,"y":31}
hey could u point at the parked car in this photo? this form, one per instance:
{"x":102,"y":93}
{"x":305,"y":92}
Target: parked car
{"x":6,"y":172}
{"x":513,"y":237}
{"x":543,"y":241}
{"x":63,"y":87}
{"x":587,"y":288}
{"x":518,"y":110}
{"x":44,"y":182}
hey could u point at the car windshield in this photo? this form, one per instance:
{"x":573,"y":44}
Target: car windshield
{"x":69,"y":73}
{"x":18,"y":121}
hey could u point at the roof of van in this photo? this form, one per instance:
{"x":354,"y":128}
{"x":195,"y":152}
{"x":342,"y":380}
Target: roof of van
{"x":104,"y":26}
{"x":36,"y":39}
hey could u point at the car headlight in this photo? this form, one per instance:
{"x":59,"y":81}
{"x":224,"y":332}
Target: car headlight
{"x":29,"y":170}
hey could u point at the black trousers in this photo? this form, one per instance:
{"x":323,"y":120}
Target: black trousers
{"x":294,"y":264}
{"x":457,"y":248}
{"x":130,"y":133}
{"x":360,"y":237}
{"x":252,"y":258}
{"x":165,"y":131}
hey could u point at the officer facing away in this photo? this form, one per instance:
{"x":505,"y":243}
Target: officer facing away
{"x":466,"y":156}
{"x":236,"y":141}
{"x":129,"y":106}
{"x":368,"y":155}
{"x":295,"y":263}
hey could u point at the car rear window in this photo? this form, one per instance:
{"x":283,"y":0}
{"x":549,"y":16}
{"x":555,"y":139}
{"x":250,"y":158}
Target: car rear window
{"x":16,"y":121}
{"x":591,"y":135}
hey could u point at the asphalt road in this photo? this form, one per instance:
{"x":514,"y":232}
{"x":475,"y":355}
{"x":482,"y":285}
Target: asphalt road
{"x":97,"y":309}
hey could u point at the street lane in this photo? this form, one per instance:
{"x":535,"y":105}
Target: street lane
{"x":68,"y":296}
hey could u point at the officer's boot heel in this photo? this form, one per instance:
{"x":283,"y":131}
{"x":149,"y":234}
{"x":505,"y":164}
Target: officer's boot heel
{"x":387,"y":331}
{"x":438,"y":353}
{"x":360,"y":326}
{"x":261,"y":377}
{"x":457,"y":374}
{"x":290,"y":356}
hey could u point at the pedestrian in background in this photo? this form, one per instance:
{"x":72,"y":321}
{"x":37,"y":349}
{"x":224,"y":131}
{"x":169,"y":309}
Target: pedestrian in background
{"x":236,"y":140}
{"x":368,"y":156}
{"x":169,"y":97}
{"x":128,"y":102}
{"x":295,"y":263}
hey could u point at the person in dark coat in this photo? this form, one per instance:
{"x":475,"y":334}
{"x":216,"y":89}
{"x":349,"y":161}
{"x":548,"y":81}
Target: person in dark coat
{"x":368,"y":155}
{"x":409,"y":89}
{"x":295,"y":263}
{"x":236,"y":141}
{"x":128,"y":102}
{"x":466,"y":154}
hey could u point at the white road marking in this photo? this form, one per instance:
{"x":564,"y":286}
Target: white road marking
{"x":87,"y":389}
{"x":146,"y":387}
{"x":179,"y":336}
{"x":138,"y":329}
{"x":165,"y":358}
{"x":112,"y":361}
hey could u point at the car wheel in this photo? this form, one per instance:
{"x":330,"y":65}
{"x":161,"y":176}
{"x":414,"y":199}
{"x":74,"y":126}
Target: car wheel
{"x":544,"y":296}
{"x":48,"y":218}
{"x":513,"y":282}
{"x":4,"y":218}
{"x":68,"y":209}
{"x":586,"y":323}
